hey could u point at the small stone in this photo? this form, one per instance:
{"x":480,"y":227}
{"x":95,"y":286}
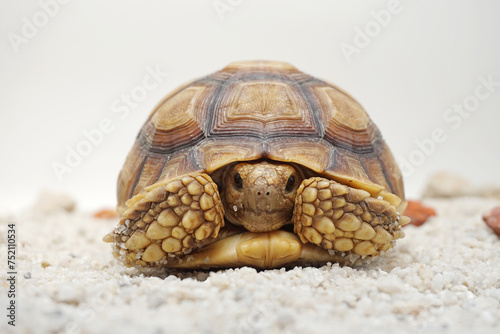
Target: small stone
{"x":27,"y":275}
{"x":105,"y":214}
{"x":492,"y":219}
{"x":418,"y":212}
{"x":50,"y":201}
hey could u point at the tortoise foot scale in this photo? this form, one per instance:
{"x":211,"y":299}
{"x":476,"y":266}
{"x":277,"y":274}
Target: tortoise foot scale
{"x":348,"y":220}
{"x":170,"y":218}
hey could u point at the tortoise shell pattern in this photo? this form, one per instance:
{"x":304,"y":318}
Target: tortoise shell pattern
{"x":256,"y":110}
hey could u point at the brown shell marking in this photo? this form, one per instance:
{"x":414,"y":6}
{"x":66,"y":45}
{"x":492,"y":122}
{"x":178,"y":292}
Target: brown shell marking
{"x":257,"y":109}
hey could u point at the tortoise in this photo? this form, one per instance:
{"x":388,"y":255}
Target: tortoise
{"x":257,"y":165}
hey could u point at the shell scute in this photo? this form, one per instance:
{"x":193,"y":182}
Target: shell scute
{"x":256,"y":109}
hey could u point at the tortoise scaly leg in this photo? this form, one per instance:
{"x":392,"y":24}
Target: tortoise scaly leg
{"x":169,"y":219}
{"x":345,"y":219}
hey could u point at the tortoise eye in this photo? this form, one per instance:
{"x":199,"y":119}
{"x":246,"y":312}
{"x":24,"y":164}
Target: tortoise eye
{"x":238,"y":181}
{"x":290,"y":183}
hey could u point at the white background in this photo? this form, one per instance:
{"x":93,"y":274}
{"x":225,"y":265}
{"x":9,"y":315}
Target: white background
{"x":65,"y":77}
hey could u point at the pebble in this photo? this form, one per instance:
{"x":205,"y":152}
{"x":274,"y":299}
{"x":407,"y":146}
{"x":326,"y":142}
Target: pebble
{"x":444,"y":273}
{"x":492,"y":219}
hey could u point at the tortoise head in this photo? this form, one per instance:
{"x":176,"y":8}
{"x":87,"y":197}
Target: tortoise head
{"x":260,"y":196}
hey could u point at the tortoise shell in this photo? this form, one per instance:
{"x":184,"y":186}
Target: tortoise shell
{"x":261,"y":110}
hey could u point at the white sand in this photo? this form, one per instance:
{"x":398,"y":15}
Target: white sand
{"x":444,"y":277}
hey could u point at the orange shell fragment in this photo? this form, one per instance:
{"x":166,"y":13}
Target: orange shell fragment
{"x":105,"y":214}
{"x":492,"y":219}
{"x":418,"y":212}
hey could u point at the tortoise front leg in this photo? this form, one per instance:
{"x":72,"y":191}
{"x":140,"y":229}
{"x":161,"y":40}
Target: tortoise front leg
{"x":169,"y":219}
{"x":345,"y":219}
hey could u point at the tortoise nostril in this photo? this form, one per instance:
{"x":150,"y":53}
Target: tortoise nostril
{"x":261,"y":192}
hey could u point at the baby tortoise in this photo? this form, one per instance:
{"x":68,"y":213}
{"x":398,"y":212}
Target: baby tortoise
{"x":226,"y":165}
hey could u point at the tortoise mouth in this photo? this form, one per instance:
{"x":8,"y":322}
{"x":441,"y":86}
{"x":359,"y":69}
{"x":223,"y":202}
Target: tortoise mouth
{"x":257,"y":249}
